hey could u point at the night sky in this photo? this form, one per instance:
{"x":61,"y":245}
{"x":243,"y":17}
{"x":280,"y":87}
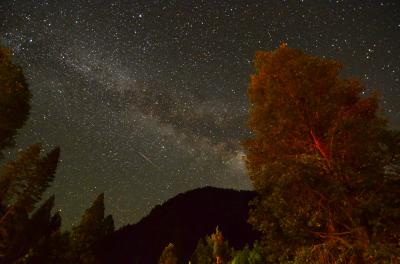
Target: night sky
{"x":147,"y":99}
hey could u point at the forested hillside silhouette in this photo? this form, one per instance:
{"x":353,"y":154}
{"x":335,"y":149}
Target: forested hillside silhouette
{"x":182,"y":220}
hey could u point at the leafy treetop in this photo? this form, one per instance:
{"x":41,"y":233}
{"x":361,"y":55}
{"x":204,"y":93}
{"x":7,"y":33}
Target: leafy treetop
{"x":319,"y":157}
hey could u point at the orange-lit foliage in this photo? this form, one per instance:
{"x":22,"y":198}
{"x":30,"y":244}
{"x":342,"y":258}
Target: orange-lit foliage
{"x":318,"y":158}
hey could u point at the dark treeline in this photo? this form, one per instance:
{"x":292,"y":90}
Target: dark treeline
{"x":321,"y":158}
{"x":182,"y":220}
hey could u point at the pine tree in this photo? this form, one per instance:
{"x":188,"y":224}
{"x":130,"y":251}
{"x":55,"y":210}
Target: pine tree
{"x":47,"y":243}
{"x":221,"y":250}
{"x":212,"y":249}
{"x":323,"y":162}
{"x":22,"y":184}
{"x":91,"y":230}
{"x":203,"y":254}
{"x":24,"y":180}
{"x":55,"y":248}
{"x":168,"y":255}
{"x":43,"y":223}
{"x":80,"y":245}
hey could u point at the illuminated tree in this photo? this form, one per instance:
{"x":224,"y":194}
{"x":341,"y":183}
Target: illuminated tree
{"x":212,"y":249}
{"x":168,"y":255}
{"x":323,"y":162}
{"x":221,"y":250}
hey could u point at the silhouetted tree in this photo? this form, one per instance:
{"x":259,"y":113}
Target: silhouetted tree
{"x":23,"y":181}
{"x":203,"y":252}
{"x":91,"y":230}
{"x":50,"y":245}
{"x":323,"y":162}
{"x":22,"y":184}
{"x":78,"y":246}
{"x":55,"y":248}
{"x":14,"y":100}
{"x":168,"y":255}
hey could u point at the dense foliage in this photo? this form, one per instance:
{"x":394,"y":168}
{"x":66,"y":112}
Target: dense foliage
{"x":14,"y":100}
{"x":323,"y":162}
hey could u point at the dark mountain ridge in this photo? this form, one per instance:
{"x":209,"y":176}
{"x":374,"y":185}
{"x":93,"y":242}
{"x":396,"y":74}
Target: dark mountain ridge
{"x":182,"y":220}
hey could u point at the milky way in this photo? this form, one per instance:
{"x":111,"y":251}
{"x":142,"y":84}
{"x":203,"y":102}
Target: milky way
{"x":147,"y":99}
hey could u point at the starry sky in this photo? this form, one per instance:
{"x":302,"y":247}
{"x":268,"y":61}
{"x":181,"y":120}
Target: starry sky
{"x":147,"y":99}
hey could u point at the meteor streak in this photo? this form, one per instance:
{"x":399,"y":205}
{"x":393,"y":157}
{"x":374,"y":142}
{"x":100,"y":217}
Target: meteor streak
{"x":148,"y":160}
